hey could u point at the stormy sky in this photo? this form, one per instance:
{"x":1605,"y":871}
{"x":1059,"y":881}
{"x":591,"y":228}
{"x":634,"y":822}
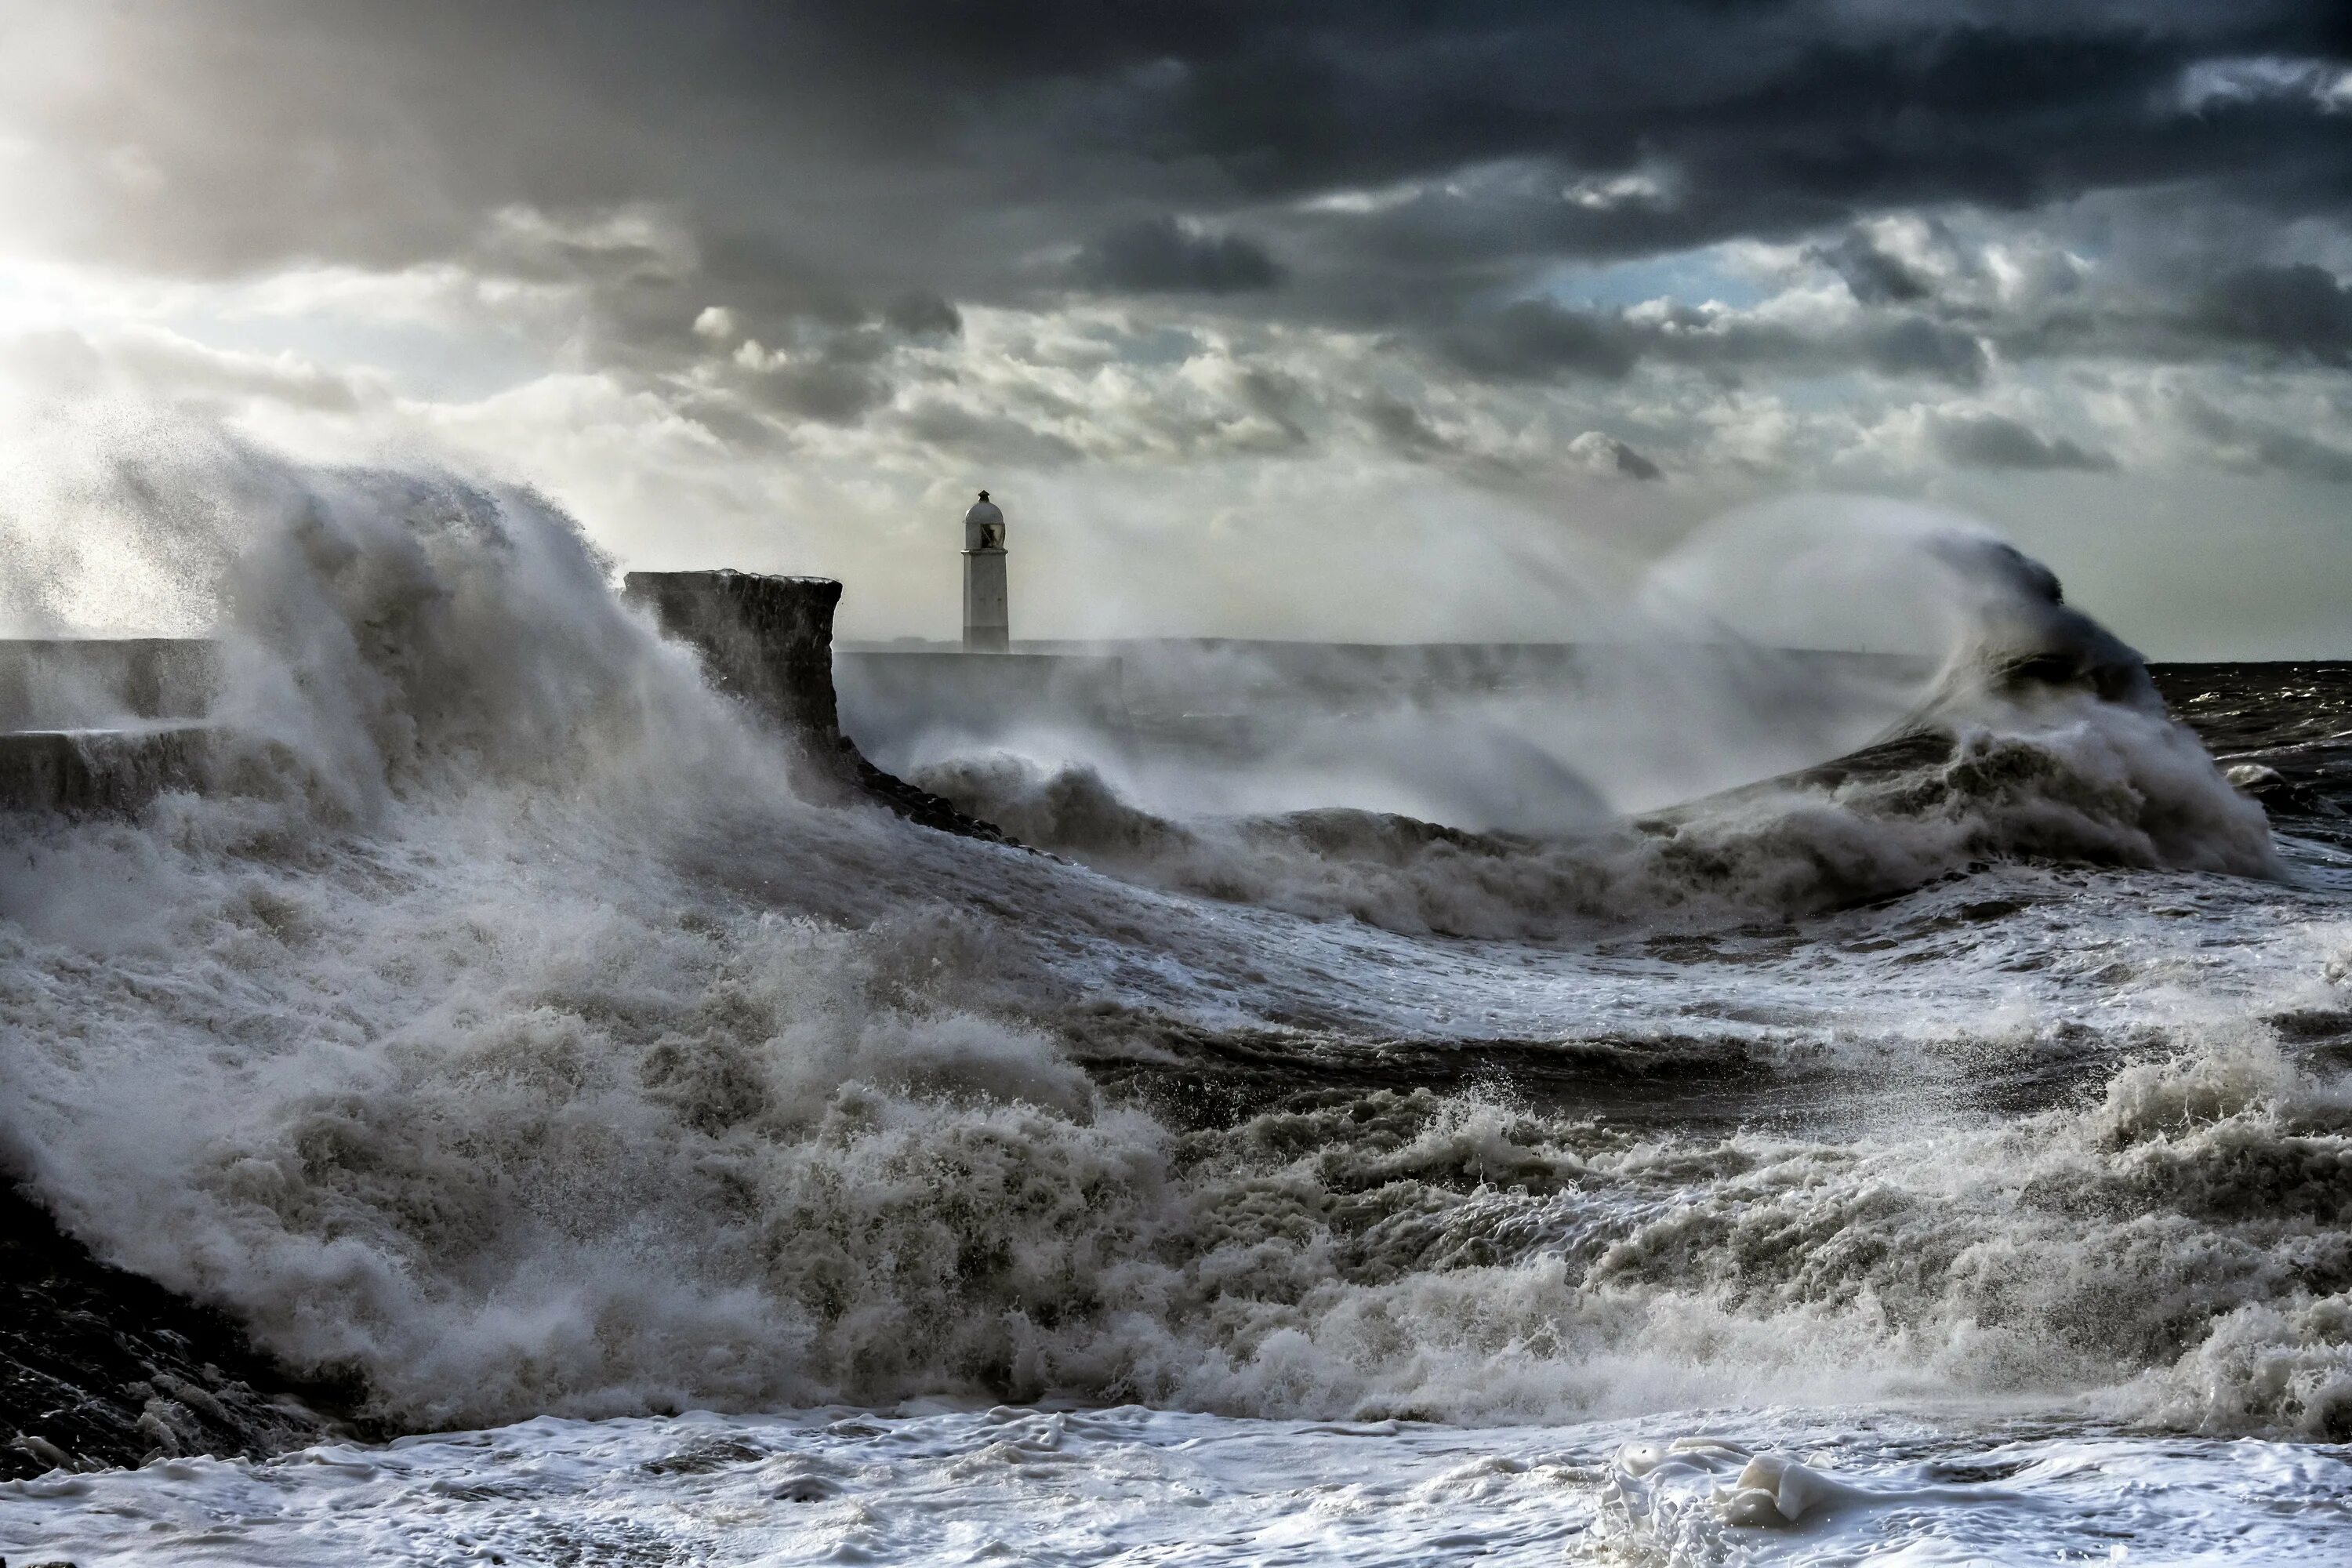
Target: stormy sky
{"x":1366,"y":318}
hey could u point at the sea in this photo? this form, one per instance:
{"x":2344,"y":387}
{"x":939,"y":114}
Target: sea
{"x":1680,"y":1107}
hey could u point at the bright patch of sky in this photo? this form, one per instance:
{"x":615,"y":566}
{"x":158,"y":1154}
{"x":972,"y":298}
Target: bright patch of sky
{"x":421,"y":358}
{"x":1689,"y":276}
{"x":354,"y":325}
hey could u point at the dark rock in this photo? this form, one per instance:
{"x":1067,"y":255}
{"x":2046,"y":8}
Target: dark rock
{"x":918,"y":806}
{"x":99,"y":1367}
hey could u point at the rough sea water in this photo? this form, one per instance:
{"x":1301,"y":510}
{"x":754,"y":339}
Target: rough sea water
{"x":1944,"y":1156}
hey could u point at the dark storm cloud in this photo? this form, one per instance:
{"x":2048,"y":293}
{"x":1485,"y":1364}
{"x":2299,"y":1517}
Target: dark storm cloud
{"x":1995,"y":441}
{"x":1872,"y":276}
{"x":1161,"y":256}
{"x":842,"y":178}
{"x":1536,"y":340}
{"x":1775,"y":118}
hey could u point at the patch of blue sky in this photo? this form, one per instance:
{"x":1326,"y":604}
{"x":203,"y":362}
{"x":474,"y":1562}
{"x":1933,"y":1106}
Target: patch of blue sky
{"x":1687,"y":277}
{"x":1837,"y":393}
{"x":1149,"y":346}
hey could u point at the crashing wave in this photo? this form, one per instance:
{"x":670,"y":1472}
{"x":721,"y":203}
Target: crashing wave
{"x":2043,"y":738}
{"x":518,"y":1042}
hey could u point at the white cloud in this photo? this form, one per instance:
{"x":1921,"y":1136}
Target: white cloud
{"x":2324,"y":84}
{"x":1608,"y":193}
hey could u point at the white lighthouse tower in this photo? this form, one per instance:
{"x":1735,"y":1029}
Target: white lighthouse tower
{"x":987,"y":620}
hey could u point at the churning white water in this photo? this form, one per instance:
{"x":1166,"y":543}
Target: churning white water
{"x":1963,"y":1147}
{"x":1130,"y":1485}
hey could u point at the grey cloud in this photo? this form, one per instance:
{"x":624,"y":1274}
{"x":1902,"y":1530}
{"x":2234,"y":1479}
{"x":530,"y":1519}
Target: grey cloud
{"x":2301,"y":457}
{"x":846,"y":178}
{"x":827,"y":391}
{"x":2302,"y":311}
{"x":934,"y":138}
{"x":1914,"y":345}
{"x":1278,"y":397}
{"x":2286,"y":317}
{"x":1535,"y":339}
{"x":1872,"y":276}
{"x":1163,"y":255}
{"x":2298,"y":456}
{"x":176,"y":370}
{"x":1604,"y":454}
{"x":742,"y":425}
{"x":1398,"y":427}
{"x":921,"y":314}
{"x":2256,"y":447}
{"x":994,"y":436}
{"x":1996,"y":441}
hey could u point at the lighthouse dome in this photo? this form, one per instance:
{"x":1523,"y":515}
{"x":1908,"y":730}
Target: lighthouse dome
{"x":984,"y":525}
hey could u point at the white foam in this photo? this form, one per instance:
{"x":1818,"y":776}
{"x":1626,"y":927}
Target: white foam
{"x":1130,"y":1484}
{"x":512,"y":1037}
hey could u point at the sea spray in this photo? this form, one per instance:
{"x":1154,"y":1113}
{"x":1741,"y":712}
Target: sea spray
{"x":522,"y":1045}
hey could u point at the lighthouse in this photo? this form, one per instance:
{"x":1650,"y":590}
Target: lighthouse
{"x":987,"y":620}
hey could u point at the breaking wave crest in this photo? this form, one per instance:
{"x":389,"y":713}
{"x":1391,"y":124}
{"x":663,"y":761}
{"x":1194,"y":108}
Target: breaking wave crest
{"x":515,"y":1040}
{"x":2078,"y":779}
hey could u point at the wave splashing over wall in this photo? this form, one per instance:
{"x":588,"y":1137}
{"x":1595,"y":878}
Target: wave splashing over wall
{"x":507,"y":1035}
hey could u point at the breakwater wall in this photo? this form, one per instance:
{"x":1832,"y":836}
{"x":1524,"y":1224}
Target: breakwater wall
{"x":104,"y":724}
{"x":75,"y":683}
{"x":99,"y":1367}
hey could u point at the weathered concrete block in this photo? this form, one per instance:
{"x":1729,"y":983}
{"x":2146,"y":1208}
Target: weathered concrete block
{"x":64,"y":683}
{"x":99,"y":770}
{"x":767,"y":640}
